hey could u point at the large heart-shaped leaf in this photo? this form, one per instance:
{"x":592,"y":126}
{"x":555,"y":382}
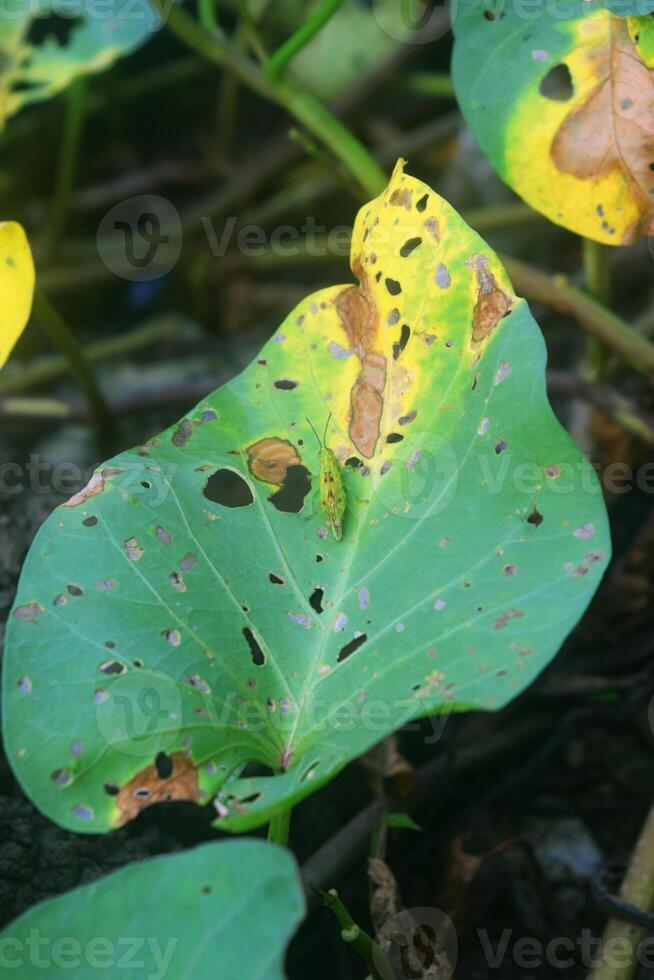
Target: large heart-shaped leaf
{"x":564,"y":109}
{"x":99,"y":33}
{"x":16,"y":285}
{"x":235,"y":903}
{"x":189,"y":612}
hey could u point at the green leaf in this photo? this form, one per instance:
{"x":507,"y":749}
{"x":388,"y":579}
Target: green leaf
{"x":235,"y":903}
{"x":101,"y":31}
{"x":402,"y":821}
{"x":16,"y":285}
{"x":191,"y":601}
{"x":628,"y":8}
{"x":562,"y":107}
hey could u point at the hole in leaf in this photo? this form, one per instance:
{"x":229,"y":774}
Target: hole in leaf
{"x":319,"y":558}
{"x":557,"y":84}
{"x":501,"y":446}
{"x":315,"y":599}
{"x":410,"y":246}
{"x":275,"y":579}
{"x":351,"y":647}
{"x":285,"y":384}
{"x":393,"y":286}
{"x":256,"y":652}
{"x":112,"y":667}
{"x":112,"y":789}
{"x":402,"y":342}
{"x":422,"y":203}
{"x":354,"y":462}
{"x":74,"y":590}
{"x":164,"y":765}
{"x":394,"y":437}
{"x":229,"y":489}
{"x":90,"y":521}
{"x":535,"y":518}
{"x":289,"y":499}
{"x":250,"y":799}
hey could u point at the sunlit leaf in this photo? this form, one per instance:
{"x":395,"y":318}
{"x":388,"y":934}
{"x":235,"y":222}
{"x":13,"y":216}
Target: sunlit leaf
{"x":16,"y":285}
{"x":641,"y":31}
{"x":97,"y":33}
{"x":235,"y":903}
{"x":192,"y":601}
{"x":564,"y":109}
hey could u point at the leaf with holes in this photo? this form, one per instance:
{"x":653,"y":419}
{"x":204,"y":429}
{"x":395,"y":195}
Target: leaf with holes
{"x":97,"y":34}
{"x":238,"y":900}
{"x":564,"y":109}
{"x":16,"y":286}
{"x":188,"y":618}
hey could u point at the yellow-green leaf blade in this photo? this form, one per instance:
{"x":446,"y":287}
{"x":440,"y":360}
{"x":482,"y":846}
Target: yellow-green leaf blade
{"x":16,"y":286}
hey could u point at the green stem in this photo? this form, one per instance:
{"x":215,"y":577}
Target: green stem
{"x":434,"y":84}
{"x":279,"y":828}
{"x":597,"y":270}
{"x":304,"y":106}
{"x":359,"y":940}
{"x":207,"y":12}
{"x":64,"y":341}
{"x":68,"y":158}
{"x":304,"y":34}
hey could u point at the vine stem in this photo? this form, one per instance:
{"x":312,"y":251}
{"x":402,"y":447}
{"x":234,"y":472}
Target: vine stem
{"x":301,"y":104}
{"x":279,"y":60}
{"x":359,"y":940}
{"x":597,"y":271}
{"x":637,"y":890}
{"x":279,"y":828}
{"x":68,"y":158}
{"x":64,"y":340}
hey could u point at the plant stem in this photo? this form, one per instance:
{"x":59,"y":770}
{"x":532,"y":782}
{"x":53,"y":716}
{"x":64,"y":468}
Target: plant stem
{"x":637,"y":890}
{"x":359,"y":940}
{"x":207,"y":12}
{"x":279,"y":828}
{"x":304,"y":106}
{"x":64,"y":341}
{"x":434,"y":84}
{"x":597,"y":270}
{"x":304,"y":34}
{"x":68,"y":157}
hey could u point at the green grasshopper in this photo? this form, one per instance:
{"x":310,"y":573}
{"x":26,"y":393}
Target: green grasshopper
{"x":333,"y":499}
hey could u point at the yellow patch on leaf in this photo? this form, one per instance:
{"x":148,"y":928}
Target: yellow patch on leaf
{"x":16,"y":286}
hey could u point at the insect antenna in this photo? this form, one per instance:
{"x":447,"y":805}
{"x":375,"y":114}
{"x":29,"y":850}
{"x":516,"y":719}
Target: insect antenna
{"x":324,"y":438}
{"x":314,"y":431}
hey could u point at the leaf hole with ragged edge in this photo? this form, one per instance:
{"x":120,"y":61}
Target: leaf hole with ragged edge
{"x":422,"y":203}
{"x":91,"y":521}
{"x":399,"y":346}
{"x":315,"y":600}
{"x":289,"y":499}
{"x":229,"y":489}
{"x":276,"y":580}
{"x":75,"y":590}
{"x":351,"y":647}
{"x":354,"y":462}
{"x":393,"y":286}
{"x":320,"y":557}
{"x":394,"y":437}
{"x":557,"y":84}
{"x":257,"y":654}
{"x":112,"y":667}
{"x":111,"y":789}
{"x":285,"y":384}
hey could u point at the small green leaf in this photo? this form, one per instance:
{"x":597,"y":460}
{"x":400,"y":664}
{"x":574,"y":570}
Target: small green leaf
{"x":234,"y":903}
{"x":402,"y":821}
{"x":189,"y":612}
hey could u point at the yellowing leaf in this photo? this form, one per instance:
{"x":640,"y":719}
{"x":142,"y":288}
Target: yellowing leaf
{"x":16,"y":285}
{"x":565,"y":112}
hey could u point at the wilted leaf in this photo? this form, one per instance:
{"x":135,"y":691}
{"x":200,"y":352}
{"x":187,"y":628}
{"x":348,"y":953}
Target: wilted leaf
{"x":564,"y":109}
{"x":16,"y":286}
{"x":98,"y":34}
{"x":235,"y":902}
{"x":189,"y":605}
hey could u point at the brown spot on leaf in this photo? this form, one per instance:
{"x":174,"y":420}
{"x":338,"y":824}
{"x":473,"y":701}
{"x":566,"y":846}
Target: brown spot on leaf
{"x":401,"y":197}
{"x":182,"y":433}
{"x":505,"y":618}
{"x":360,"y":321}
{"x":613,"y":131}
{"x":492,"y":302}
{"x":29,"y":612}
{"x":147,"y":787}
{"x":269,"y":459}
{"x":92,"y":489}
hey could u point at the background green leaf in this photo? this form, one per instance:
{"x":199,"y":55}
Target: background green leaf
{"x":189,"y":614}
{"x":235,"y":903}
{"x":100,"y":31}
